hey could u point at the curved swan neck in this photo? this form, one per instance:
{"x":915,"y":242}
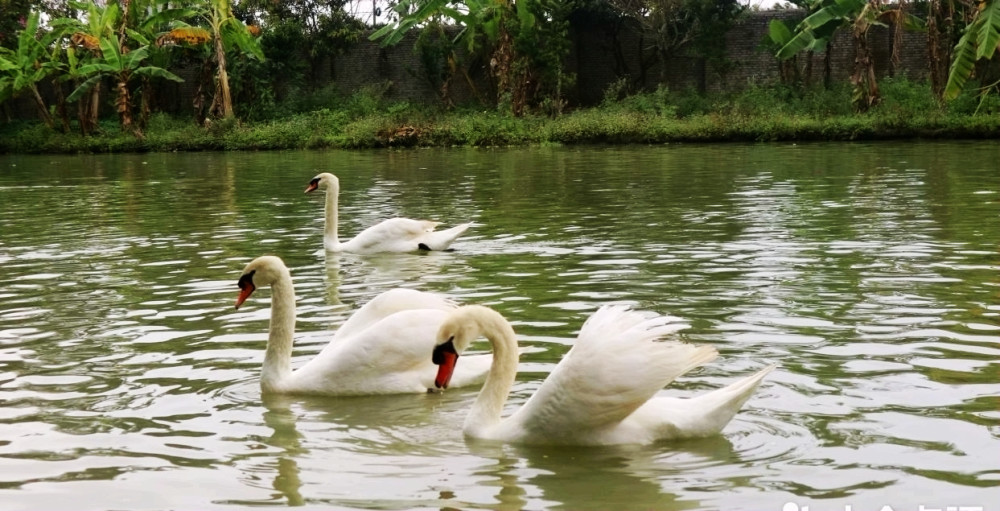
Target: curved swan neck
{"x":330,"y":237}
{"x":488,"y":406}
{"x":278,"y":357}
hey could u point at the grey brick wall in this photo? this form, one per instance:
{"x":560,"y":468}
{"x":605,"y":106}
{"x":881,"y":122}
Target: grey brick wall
{"x":600,"y":56}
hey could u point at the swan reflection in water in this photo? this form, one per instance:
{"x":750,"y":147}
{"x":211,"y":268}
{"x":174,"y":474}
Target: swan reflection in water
{"x":370,"y":273}
{"x":598,"y":478}
{"x":386,"y":440}
{"x":403,"y":450}
{"x":278,"y":416}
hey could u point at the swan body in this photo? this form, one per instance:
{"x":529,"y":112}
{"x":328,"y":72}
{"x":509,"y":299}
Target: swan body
{"x":392,"y":235}
{"x":602,"y":392}
{"x":381,"y":349}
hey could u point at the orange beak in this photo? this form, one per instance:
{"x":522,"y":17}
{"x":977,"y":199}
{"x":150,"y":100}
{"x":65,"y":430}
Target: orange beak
{"x":245,"y":291}
{"x":312,"y":186}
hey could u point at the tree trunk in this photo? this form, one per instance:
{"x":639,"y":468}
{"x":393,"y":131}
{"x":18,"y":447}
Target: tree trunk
{"x":43,"y":110}
{"x":223,"y":100}
{"x":123,"y":103}
{"x":809,"y":68}
{"x":940,"y":24}
{"x":82,"y":117}
{"x":866,"y":94}
{"x":61,"y":105}
{"x":145,"y":102}
{"x":94,"y":110}
{"x":501,"y":64}
{"x":827,"y":68}
{"x":204,"y":79}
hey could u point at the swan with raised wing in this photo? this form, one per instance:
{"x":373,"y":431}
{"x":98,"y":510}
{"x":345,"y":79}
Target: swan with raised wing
{"x":383,"y":348}
{"x":392,"y":235}
{"x":602,"y":392}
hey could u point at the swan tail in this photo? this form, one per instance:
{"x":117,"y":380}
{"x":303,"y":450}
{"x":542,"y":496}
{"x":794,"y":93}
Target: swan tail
{"x":441,"y":240}
{"x":707,"y":414}
{"x":428,"y":225}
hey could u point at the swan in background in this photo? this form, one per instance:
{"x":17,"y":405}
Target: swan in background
{"x":392,"y":235}
{"x":602,"y":392}
{"x":383,"y":348}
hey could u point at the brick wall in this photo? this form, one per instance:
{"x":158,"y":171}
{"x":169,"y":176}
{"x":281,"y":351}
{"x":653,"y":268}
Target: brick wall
{"x":599,"y":57}
{"x":603,"y":55}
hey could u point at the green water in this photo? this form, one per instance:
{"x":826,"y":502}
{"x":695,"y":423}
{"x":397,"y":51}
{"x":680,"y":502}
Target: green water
{"x":868,"y":271}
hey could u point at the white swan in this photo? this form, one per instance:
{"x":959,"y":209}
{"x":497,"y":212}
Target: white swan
{"x":383,"y":348}
{"x":392,"y":235}
{"x":601,"y":393}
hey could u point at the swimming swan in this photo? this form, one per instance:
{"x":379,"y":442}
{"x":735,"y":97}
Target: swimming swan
{"x":383,"y":348}
{"x":601,"y":393}
{"x":392,"y":235}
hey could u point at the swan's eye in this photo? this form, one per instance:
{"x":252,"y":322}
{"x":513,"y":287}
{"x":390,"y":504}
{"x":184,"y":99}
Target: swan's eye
{"x":246,"y":280}
{"x":314,"y":182}
{"x":438,"y":356}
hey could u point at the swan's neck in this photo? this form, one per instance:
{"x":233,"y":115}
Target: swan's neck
{"x":278,"y":357}
{"x":330,"y":239}
{"x":489,"y":404}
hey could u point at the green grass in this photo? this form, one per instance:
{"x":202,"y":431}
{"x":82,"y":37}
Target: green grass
{"x":366,"y":120}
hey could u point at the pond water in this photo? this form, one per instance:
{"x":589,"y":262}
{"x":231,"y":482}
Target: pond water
{"x":869,"y":272}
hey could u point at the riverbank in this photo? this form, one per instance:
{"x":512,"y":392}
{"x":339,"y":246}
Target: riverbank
{"x":756,"y":115}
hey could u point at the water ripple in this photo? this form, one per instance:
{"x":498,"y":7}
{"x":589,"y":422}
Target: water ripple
{"x":870,"y":277}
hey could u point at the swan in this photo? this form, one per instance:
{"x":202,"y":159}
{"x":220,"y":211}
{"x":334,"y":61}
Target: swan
{"x":392,"y":235}
{"x":383,"y":348}
{"x":601,"y":393}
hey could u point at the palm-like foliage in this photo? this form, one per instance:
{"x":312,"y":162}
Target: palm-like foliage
{"x":481,"y":21}
{"x":116,"y":60}
{"x":817,"y":30}
{"x":979,"y":42}
{"x":226,"y":30}
{"x":122,"y":66}
{"x":24,"y":68}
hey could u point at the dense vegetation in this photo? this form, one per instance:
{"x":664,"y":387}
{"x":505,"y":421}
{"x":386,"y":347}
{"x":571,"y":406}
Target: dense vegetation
{"x":776,"y":113}
{"x":253,"y":62}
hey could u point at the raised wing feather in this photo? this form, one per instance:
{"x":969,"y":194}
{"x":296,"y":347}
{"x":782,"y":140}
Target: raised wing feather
{"x":618,"y":362}
{"x":388,"y":303}
{"x":392,"y":235}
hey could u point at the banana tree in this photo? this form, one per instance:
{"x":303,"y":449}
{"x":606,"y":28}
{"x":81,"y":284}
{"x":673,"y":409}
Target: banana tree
{"x":817,"y":30}
{"x":492,"y":19}
{"x":22,"y":69}
{"x":84,"y":46}
{"x":146,"y":23}
{"x":115,"y":60}
{"x":226,"y":30}
{"x":979,"y":42}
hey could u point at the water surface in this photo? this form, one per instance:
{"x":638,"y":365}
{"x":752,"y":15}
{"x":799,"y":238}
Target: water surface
{"x":868,"y":271}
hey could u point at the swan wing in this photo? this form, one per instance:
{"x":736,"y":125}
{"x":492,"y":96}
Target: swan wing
{"x":392,"y":235}
{"x":390,"y":355}
{"x":441,"y":240}
{"x":618,"y":362}
{"x":389,"y":303}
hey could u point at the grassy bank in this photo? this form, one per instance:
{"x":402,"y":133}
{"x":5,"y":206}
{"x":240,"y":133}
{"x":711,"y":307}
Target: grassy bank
{"x":366,"y":121}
